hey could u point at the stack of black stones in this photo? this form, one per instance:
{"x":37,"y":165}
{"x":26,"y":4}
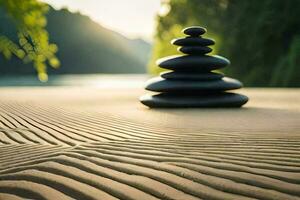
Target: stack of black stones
{"x":192,"y":82}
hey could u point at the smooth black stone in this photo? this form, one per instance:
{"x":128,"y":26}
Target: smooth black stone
{"x":220,"y":100}
{"x":191,"y":76}
{"x":195,"y":50}
{"x":193,"y":41}
{"x":192,"y":62}
{"x":159,"y":84}
{"x":194,"y":31}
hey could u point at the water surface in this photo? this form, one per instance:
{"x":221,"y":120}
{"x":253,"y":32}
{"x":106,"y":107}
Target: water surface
{"x":88,"y":80}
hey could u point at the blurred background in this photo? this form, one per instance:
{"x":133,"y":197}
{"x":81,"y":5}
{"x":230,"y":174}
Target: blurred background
{"x":53,"y":42}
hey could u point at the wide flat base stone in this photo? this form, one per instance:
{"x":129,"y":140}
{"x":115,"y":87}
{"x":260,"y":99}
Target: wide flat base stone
{"x":221,"y":100}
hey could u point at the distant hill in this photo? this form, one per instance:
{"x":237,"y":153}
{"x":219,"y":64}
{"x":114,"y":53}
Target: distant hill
{"x":84,"y":47}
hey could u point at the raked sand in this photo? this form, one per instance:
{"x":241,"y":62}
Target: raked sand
{"x":89,"y":143}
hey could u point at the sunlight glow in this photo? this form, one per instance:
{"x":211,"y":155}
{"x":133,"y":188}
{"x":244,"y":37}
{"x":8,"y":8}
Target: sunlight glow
{"x":132,"y":18}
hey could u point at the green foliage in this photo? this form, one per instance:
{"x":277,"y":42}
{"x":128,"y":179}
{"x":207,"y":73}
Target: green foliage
{"x":260,"y":37}
{"x":33,"y":41}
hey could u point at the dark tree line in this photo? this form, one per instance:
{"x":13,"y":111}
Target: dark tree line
{"x":260,"y":37}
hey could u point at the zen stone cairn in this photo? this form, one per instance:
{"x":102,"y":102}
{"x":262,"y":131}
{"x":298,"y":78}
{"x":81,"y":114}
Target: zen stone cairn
{"x":192,"y":81}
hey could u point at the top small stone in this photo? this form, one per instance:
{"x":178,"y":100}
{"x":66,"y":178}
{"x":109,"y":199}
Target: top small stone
{"x":194,"y":31}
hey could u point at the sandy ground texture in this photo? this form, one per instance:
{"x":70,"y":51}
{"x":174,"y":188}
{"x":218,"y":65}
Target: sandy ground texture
{"x":89,"y":143}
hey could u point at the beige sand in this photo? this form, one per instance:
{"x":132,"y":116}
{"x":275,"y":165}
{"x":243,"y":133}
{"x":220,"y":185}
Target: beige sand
{"x":89,"y":143}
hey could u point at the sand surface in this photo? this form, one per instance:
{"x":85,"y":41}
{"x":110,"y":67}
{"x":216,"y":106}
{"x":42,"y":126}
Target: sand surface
{"x":89,"y":143}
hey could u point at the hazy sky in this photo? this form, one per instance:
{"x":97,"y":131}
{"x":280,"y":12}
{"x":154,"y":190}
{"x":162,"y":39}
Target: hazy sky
{"x":132,"y":18}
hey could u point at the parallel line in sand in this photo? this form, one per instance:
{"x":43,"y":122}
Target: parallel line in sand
{"x":111,"y":126}
{"x":6,"y":140}
{"x":24,"y":150}
{"x":50,"y":138}
{"x":183,"y":143}
{"x":228,"y":133}
{"x":116,"y":188}
{"x":122,"y":118}
{"x":98,"y":119}
{"x":89,"y":155}
{"x":112,"y":130}
{"x":85,"y":128}
{"x":211,"y":141}
{"x":231,"y":165}
{"x":127,"y":123}
{"x":69,"y":187}
{"x":7,"y":123}
{"x":143,"y":162}
{"x":280,"y":166}
{"x":203,"y":145}
{"x":19,"y":160}
{"x":30,"y":190}
{"x":14,"y":129}
{"x":155,"y":167}
{"x":195,"y":151}
{"x":161,"y":131}
{"x":15,"y":137}
{"x":166,"y":144}
{"x":191,"y":187}
{"x":214,"y":182}
{"x":244,"y":178}
{"x":64,"y":136}
{"x":141,"y":145}
{"x":149,"y":125}
{"x":170,"y":160}
{"x":6,"y":196}
{"x":12,"y":147}
{"x":16,"y":147}
{"x":142,"y":183}
{"x":71,"y":128}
